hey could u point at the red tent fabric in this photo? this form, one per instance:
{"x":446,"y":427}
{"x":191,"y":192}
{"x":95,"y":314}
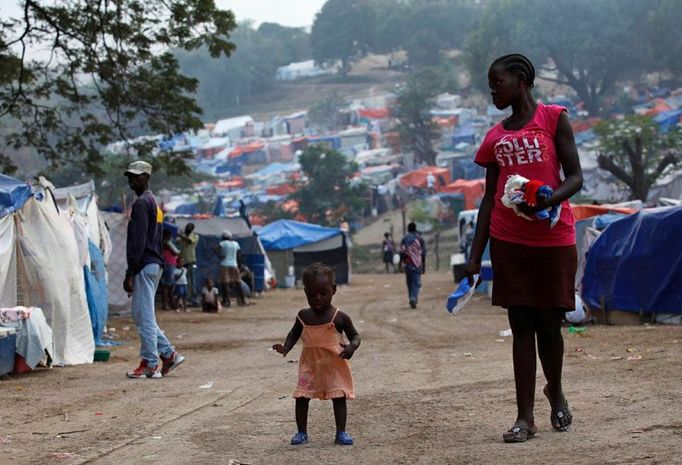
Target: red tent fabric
{"x":660,"y":107}
{"x":473,"y":191}
{"x":252,"y":147}
{"x":580,"y":212}
{"x":417,"y":178}
{"x":282,"y":189}
{"x":374,"y":113}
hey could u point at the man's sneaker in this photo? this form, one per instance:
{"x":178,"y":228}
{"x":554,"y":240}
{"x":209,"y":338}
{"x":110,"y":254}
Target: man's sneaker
{"x":171,"y":363}
{"x":144,"y":371}
{"x":413,"y":303}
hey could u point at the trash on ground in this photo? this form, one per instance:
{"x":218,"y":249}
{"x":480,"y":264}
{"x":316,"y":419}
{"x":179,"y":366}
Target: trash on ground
{"x":208,"y":385}
{"x":393,"y":320}
{"x":293,"y":360}
{"x":467,"y":354}
{"x":576,"y":329}
{"x":635,"y":357}
{"x":499,"y":340}
{"x":630,"y":350}
{"x":506,"y":333}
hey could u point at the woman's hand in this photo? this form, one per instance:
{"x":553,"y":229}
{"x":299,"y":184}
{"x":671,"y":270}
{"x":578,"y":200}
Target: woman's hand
{"x":348,"y":351}
{"x":531,"y":211}
{"x":472,"y":268}
{"x":279,"y":348}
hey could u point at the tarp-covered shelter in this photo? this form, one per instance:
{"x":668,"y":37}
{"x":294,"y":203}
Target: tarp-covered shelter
{"x":636,"y":264}
{"x":297,"y":244}
{"x":417,"y":178}
{"x":472,"y":190}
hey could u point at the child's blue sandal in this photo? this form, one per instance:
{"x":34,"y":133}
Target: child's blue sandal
{"x":301,"y":438}
{"x":344,"y":439}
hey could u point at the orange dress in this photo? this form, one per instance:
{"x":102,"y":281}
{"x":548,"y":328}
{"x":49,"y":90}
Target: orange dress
{"x":321,"y":373}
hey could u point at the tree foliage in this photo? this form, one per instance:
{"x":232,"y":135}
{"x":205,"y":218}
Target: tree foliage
{"x":343,"y":31}
{"x":637,"y":153}
{"x":328,"y":195}
{"x":251,"y":69}
{"x":109,"y":76}
{"x":412,"y":111}
{"x":587,"y":45}
{"x":324,"y":113}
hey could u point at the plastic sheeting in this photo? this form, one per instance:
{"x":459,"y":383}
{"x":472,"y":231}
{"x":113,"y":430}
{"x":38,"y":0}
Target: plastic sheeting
{"x":13,"y":194}
{"x":8,"y":265}
{"x":54,"y":279}
{"x":96,"y":292}
{"x":636,"y":264}
{"x":288,"y":234}
{"x":117,"y":225}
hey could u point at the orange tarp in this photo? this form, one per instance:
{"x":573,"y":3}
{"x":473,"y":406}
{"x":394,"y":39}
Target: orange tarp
{"x":417,"y":178}
{"x":282,"y":189}
{"x":581,"y":212}
{"x":252,"y":147}
{"x":374,"y":113}
{"x":660,"y":107}
{"x":473,"y":190}
{"x":232,"y":184}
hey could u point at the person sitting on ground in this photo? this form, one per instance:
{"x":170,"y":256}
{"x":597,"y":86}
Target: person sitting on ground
{"x":210,"y":302}
{"x":247,"y":277}
{"x":181,"y":285}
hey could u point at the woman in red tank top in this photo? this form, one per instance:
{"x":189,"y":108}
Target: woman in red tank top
{"x":534,"y":264}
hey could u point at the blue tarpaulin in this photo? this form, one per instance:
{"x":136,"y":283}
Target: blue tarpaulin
{"x":96,"y":292}
{"x":289,"y":234}
{"x":668,"y":120}
{"x":13,"y":194}
{"x":464,"y":133}
{"x":636,"y":264}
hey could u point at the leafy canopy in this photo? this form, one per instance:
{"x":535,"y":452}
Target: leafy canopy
{"x":110,"y":74}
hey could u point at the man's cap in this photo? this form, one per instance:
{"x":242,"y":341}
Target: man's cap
{"x":139,"y":167}
{"x":227,"y":234}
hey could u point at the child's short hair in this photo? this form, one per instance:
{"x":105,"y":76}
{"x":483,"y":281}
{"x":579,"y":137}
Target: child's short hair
{"x":312,"y":272}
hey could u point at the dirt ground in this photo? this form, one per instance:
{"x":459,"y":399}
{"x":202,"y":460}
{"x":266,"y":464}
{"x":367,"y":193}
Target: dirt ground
{"x":431,"y":389}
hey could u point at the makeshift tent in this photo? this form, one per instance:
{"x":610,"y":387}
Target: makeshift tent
{"x":117,"y":225}
{"x":13,"y":195}
{"x":636,"y":264}
{"x":473,"y":191}
{"x":53,"y":278}
{"x":96,"y":292}
{"x":581,"y":212}
{"x":292,"y":243}
{"x":417,"y":178}
{"x":464,"y":133}
{"x":210,"y":231}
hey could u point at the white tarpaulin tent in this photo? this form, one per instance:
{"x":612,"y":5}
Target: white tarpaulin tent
{"x":8,"y":267}
{"x":117,"y":225}
{"x":53,"y":278}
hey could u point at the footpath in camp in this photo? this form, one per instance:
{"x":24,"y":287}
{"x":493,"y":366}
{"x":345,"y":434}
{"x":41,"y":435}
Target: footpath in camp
{"x":431,"y":389}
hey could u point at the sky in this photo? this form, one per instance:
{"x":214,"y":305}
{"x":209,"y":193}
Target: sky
{"x":297,"y":13}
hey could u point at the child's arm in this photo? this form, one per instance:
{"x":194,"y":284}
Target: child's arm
{"x":352,"y":335}
{"x":291,"y":340}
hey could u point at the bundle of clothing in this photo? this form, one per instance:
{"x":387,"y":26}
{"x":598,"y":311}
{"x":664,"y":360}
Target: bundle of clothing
{"x":519,"y":190}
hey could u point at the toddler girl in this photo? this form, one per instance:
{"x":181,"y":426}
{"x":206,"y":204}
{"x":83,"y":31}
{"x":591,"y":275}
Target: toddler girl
{"x":324,"y":369}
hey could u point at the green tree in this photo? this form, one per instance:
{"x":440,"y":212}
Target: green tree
{"x":324,"y":113}
{"x":637,"y":153}
{"x":343,"y":31}
{"x":328,"y":194}
{"x":110,"y":74}
{"x":413,"y":113}
{"x":664,"y":33}
{"x":587,"y":45}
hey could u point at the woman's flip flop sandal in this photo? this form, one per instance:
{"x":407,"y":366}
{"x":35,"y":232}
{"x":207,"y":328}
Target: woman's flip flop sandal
{"x":560,"y":418}
{"x":517,"y":434}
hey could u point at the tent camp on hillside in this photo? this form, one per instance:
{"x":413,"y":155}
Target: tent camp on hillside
{"x":417,"y":178}
{"x":296,"y":244}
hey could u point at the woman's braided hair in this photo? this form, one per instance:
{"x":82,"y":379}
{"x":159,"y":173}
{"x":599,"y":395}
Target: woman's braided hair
{"x":516,"y":62}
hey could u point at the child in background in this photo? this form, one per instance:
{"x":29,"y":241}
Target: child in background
{"x":324,"y":367}
{"x":209,"y":297}
{"x":170,"y":260}
{"x":181,"y":285}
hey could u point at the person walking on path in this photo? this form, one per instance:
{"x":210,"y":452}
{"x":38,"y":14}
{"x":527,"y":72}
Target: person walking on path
{"x":188,"y":241}
{"x":387,"y":251}
{"x":229,"y":271}
{"x":144,"y":256}
{"x":534,"y":265}
{"x":324,"y":367}
{"x":413,"y":257}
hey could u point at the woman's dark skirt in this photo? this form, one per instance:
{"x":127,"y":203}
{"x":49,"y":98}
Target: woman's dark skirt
{"x":525,"y":276}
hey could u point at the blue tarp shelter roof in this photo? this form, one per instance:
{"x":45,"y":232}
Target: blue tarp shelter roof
{"x":13,"y":194}
{"x":289,"y":234}
{"x":636,"y":264}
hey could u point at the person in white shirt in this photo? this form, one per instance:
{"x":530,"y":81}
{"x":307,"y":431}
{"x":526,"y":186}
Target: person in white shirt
{"x":229,"y":271}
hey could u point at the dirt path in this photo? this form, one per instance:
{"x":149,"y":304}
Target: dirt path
{"x":431,"y":389}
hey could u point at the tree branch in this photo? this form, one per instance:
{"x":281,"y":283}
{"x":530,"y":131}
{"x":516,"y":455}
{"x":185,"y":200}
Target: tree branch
{"x":606,"y":163}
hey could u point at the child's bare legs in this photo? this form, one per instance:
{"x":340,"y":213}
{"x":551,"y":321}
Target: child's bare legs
{"x":302,"y":414}
{"x":551,"y":352}
{"x":522,"y":322}
{"x":340,"y":413}
{"x":183,"y":303}
{"x":165,"y":297}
